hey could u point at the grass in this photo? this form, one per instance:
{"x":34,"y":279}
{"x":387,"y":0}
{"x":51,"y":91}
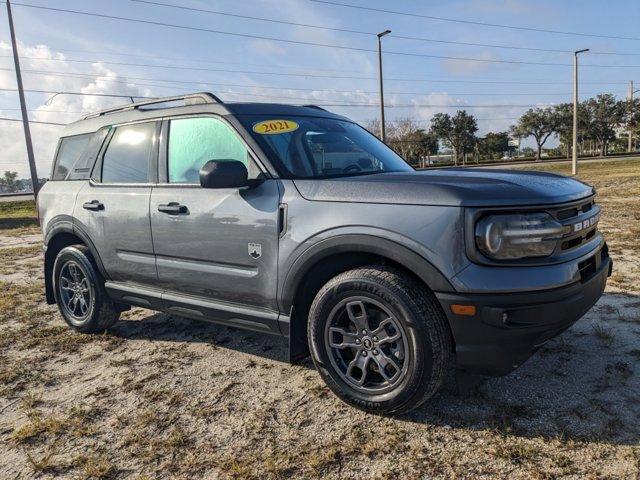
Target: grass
{"x":605,"y":334}
{"x":148,"y":402}
{"x":22,"y":209}
{"x":11,"y":257}
{"x":18,"y":218}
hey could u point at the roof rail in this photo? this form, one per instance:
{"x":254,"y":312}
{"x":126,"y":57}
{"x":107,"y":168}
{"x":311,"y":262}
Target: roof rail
{"x":189,"y":99}
{"x":316,"y":107}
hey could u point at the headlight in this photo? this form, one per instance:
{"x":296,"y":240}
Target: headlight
{"x":505,"y":237}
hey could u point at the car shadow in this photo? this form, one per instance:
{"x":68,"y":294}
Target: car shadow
{"x":583,"y":385}
{"x":169,"y":328}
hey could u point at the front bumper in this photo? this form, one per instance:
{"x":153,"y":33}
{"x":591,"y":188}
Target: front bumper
{"x":508,"y":328}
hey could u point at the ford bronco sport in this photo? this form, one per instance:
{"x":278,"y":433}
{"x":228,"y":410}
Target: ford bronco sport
{"x":294,"y":221}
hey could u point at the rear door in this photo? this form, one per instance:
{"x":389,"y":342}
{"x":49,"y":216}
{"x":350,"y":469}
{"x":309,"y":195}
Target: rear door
{"x":113,"y":208}
{"x":223,"y":247}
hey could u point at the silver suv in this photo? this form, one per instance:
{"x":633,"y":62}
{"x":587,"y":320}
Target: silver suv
{"x":294,"y":221}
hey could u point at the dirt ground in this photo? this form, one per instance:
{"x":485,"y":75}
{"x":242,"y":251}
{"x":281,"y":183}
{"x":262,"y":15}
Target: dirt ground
{"x":164,"y":397}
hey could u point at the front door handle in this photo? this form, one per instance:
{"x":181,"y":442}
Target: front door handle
{"x":94,"y":205}
{"x":173,"y":208}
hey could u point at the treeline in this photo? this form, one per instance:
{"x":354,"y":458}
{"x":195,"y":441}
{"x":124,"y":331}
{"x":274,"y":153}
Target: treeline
{"x":10,"y":183}
{"x":603,"y":125}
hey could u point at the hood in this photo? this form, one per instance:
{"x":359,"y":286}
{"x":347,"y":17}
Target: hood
{"x":466,"y":187}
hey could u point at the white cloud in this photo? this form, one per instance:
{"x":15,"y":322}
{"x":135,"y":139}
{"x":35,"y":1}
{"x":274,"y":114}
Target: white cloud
{"x":469,"y":67}
{"x":49,"y":108}
{"x":266,"y":47}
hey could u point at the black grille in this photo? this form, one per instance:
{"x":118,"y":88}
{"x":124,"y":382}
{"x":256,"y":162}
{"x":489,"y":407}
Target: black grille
{"x":580,"y":221}
{"x":574,"y":211}
{"x":587,"y":268}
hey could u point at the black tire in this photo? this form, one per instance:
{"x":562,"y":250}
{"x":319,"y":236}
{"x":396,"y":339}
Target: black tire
{"x":93,"y":311}
{"x":421,"y":354}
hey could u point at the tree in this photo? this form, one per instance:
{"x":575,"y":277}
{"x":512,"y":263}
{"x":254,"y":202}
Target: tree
{"x":605,"y":114}
{"x":8,"y":181}
{"x":564,"y":125}
{"x":407,"y":139}
{"x":632,"y":119}
{"x":494,"y":144}
{"x":411,"y":142}
{"x":457,"y":132}
{"x":373,"y":126}
{"x":539,"y":123}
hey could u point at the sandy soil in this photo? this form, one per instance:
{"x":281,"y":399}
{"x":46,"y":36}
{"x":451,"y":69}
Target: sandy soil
{"x":164,"y":397}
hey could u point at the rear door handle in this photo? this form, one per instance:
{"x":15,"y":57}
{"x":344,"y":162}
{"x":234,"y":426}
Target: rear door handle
{"x":94,"y":205}
{"x":173,"y":208}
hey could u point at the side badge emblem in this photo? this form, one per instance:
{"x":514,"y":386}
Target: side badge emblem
{"x":255,"y":250}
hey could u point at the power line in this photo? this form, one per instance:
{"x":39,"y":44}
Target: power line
{"x":5,"y":119}
{"x":473,"y":22}
{"x":126,"y":81}
{"x":425,"y":80}
{"x":307,"y":43}
{"x":425,"y":105}
{"x":371,"y":34}
{"x":201,"y":60}
{"x":70,"y":112}
{"x":304,"y":75}
{"x":54,"y":92}
{"x":407,"y":105}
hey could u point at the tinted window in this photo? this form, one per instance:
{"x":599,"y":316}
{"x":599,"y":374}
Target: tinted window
{"x":128,"y":154}
{"x":82,"y":168}
{"x":317,"y":147}
{"x":195,"y":141}
{"x":70,"y":150}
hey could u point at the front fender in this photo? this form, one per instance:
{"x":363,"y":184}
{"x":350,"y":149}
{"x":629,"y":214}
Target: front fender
{"x":340,"y":240}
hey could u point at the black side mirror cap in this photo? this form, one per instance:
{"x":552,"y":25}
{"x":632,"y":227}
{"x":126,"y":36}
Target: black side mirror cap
{"x":223,"y":174}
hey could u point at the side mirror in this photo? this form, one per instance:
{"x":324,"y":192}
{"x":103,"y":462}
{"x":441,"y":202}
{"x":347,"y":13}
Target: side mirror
{"x":223,"y":174}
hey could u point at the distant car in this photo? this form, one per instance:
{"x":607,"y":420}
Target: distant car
{"x":294,"y":221}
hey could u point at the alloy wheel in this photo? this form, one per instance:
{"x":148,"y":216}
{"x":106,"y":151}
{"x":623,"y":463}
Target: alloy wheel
{"x":367,"y":345}
{"x":75,"y":292}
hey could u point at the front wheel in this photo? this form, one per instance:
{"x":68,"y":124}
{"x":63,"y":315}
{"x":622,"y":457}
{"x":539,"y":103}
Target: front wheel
{"x":80,"y":293}
{"x":379,"y":339}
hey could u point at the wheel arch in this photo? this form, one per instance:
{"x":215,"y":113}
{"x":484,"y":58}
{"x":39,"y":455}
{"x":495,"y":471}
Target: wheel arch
{"x":61,"y":235}
{"x":332,"y":256}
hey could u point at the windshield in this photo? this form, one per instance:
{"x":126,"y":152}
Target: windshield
{"x":316,"y":147}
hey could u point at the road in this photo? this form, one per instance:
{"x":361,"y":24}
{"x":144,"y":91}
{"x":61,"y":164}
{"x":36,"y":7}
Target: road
{"x":16,"y":198}
{"x":582,"y":161}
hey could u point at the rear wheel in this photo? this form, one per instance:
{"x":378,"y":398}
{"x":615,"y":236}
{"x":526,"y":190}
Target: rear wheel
{"x":79,"y":291}
{"x":379,"y":339}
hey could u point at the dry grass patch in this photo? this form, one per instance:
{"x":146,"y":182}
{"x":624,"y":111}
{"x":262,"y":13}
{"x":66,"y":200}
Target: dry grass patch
{"x":78,"y":422}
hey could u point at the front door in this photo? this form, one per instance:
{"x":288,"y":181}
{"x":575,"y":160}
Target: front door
{"x":216,"y":247}
{"x":113,"y":208}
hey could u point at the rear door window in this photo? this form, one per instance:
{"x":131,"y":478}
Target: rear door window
{"x":128,"y":155}
{"x":70,"y":150}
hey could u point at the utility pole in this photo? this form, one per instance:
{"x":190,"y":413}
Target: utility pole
{"x":23,"y":105}
{"x":574,"y":164}
{"x":631,"y":92}
{"x":383,"y":134}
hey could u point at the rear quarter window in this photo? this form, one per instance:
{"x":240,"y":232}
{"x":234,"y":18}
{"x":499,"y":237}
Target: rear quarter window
{"x":69,"y":152}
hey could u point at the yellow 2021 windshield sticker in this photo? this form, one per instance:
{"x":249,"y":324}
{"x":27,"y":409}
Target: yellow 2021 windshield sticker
{"x":274,"y":127}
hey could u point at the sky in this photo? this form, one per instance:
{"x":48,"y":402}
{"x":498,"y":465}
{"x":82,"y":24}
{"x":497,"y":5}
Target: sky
{"x":247,"y":59}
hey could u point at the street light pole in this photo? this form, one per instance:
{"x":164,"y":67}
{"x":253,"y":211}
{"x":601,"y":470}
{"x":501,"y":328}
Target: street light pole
{"x":574,"y":164}
{"x":23,"y":106}
{"x":383,"y":135}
